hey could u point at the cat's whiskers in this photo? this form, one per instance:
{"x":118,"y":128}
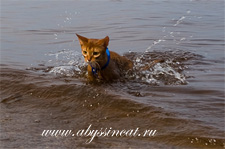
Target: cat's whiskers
{"x":94,"y":64}
{"x":98,"y":65}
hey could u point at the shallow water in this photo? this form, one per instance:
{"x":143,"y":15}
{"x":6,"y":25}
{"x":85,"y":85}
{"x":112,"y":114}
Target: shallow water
{"x":43,"y":84}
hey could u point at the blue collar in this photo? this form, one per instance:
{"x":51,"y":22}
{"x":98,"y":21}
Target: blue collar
{"x":94,"y":70}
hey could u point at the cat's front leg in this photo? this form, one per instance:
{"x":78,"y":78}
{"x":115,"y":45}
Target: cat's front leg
{"x":90,"y":77}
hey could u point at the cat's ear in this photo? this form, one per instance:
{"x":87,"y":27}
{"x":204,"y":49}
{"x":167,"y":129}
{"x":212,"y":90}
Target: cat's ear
{"x":104,"y":42}
{"x":82,"y":39}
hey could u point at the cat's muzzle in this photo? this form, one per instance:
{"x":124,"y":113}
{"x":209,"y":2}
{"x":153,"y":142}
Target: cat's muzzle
{"x":94,"y":65}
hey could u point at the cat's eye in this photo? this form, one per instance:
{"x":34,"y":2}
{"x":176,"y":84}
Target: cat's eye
{"x":84,"y":52}
{"x":95,"y":53}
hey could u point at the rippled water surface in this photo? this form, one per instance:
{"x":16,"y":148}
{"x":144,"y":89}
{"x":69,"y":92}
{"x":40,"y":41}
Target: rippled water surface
{"x":43,"y":74}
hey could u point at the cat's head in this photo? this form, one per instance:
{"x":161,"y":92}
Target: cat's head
{"x":94,"y":50}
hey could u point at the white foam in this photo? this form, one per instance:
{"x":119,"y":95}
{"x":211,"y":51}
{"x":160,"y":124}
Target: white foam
{"x":158,"y":73}
{"x":68,"y":71}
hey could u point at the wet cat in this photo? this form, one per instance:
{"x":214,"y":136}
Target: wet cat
{"x":103,"y":64}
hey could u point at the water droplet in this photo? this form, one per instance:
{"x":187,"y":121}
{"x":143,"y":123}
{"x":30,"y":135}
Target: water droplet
{"x":138,"y":59}
{"x":182,"y":39}
{"x":37,"y":121}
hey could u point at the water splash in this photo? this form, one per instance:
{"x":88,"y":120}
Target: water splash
{"x":179,"y":20}
{"x":68,"y":71}
{"x":64,"y":54}
{"x":169,"y":70}
{"x":168,"y":74}
{"x":155,"y":43}
{"x":71,"y":63}
{"x":169,"y":33}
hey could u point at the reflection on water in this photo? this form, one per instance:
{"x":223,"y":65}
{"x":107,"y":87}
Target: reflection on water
{"x":43,"y":84}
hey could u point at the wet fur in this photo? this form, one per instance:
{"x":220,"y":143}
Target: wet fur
{"x":91,"y":48}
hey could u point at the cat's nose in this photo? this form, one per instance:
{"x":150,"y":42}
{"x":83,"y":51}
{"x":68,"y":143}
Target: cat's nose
{"x":88,"y":59}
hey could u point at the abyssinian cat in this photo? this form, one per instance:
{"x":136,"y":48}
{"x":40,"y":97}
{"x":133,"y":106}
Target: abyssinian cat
{"x":102,"y":63}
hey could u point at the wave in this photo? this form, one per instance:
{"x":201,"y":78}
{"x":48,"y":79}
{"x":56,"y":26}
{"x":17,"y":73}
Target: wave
{"x":56,"y":96}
